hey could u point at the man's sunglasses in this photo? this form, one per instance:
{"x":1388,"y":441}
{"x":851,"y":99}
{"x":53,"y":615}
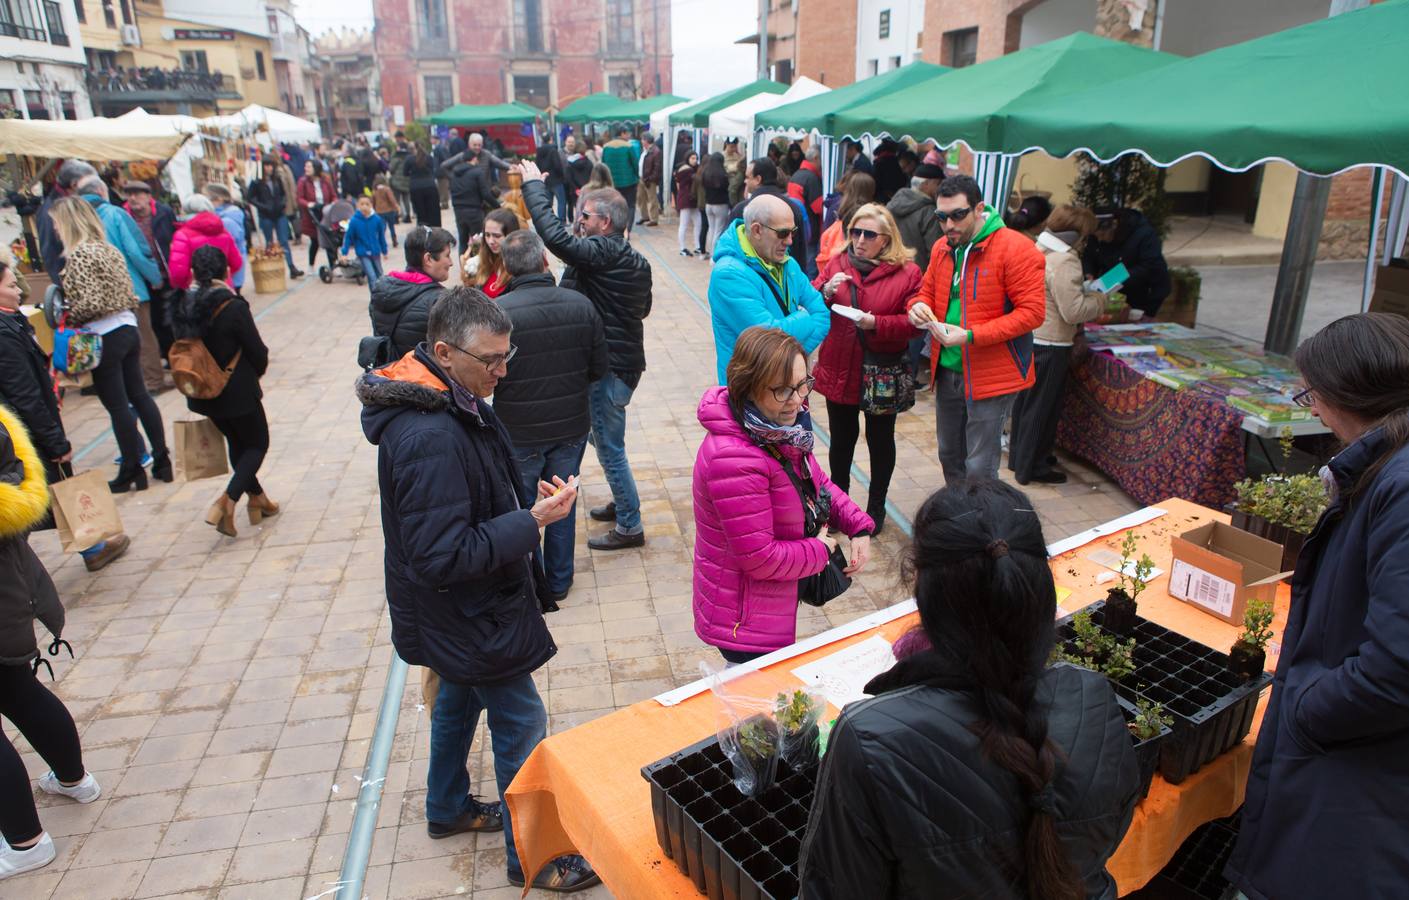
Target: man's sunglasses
{"x":784,"y":234}
{"x":957,"y":215}
{"x":866,"y":234}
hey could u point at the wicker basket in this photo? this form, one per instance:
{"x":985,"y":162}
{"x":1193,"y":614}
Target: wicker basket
{"x":269,"y":275}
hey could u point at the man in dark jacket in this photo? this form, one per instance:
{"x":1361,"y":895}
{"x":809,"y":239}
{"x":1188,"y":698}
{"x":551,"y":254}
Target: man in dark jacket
{"x":543,"y":401}
{"x":51,"y":249}
{"x":550,"y":161}
{"x":440,"y":152}
{"x":913,"y":208}
{"x":887,"y":171}
{"x":471,"y":195}
{"x":602,"y":264}
{"x":1126,"y":236}
{"x":856,"y":158}
{"x":648,"y":189}
{"x":761,"y":178}
{"x":401,"y":179}
{"x":806,"y":187}
{"x":459,"y":580}
{"x":350,"y":182}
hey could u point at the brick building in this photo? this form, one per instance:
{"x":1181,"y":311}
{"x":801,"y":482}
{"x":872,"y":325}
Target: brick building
{"x":546,"y":53}
{"x":351,"y":99}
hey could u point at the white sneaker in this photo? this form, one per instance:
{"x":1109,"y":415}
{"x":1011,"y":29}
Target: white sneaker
{"x":86,"y":791}
{"x":15,"y":862}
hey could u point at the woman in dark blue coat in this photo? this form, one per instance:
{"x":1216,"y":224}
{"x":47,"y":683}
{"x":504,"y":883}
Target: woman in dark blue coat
{"x":1327,"y":796}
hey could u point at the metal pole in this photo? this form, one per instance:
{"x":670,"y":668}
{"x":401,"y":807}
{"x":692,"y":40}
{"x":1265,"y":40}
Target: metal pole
{"x":1298,"y":260}
{"x":763,"y":38}
{"x":369,"y":794}
{"x":1377,"y":195}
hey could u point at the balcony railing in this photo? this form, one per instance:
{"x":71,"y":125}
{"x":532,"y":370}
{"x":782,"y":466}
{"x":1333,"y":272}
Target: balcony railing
{"x":154,"y":85}
{"x":427,"y":47}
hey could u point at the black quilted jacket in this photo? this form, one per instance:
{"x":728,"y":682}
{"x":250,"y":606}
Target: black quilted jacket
{"x":609,"y":271}
{"x":908,"y":806}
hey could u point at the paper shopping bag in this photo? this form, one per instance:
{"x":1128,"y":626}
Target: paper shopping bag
{"x":200,"y":449}
{"x":84,"y":511}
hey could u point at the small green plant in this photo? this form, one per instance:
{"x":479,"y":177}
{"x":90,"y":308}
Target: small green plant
{"x":1149,"y":719}
{"x":1257,"y":624}
{"x":796,"y":711}
{"x":1294,"y":502}
{"x":1120,"y":659}
{"x":1139,"y":576}
{"x":757,"y":742}
{"x":1095,"y":649}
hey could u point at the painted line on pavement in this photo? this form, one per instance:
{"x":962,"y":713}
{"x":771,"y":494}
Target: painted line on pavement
{"x":896,"y":516}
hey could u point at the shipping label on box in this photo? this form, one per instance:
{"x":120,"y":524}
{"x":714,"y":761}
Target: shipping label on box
{"x":1220,"y":568}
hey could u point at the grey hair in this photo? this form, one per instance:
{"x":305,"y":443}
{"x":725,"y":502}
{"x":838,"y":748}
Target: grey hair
{"x":610,"y":203}
{"x":522,"y":253}
{"x":813,"y":155}
{"x":71,"y":172}
{"x":197,"y":203}
{"x":92,"y":184}
{"x":216,"y":191}
{"x":461,"y":312}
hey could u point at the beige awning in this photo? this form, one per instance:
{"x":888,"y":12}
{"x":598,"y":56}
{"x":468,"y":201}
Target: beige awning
{"x":125,"y":138}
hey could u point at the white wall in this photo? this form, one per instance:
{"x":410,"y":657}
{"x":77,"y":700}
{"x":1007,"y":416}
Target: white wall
{"x":51,"y":79}
{"x":250,"y":16}
{"x":1057,"y":19}
{"x":1197,"y":26}
{"x":907,"y":19}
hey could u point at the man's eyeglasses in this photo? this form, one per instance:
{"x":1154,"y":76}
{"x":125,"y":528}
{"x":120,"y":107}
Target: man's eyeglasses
{"x":784,"y":234}
{"x":1304,"y":399}
{"x":490,"y":362}
{"x":955,"y":216}
{"x":866,"y":234}
{"x":802,"y":389}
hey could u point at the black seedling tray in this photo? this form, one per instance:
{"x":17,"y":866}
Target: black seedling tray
{"x":1212,"y":708}
{"x":1196,"y":871}
{"x":733,"y":847}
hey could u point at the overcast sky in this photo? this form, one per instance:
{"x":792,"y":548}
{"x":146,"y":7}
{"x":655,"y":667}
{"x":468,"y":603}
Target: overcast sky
{"x":706,"y":58}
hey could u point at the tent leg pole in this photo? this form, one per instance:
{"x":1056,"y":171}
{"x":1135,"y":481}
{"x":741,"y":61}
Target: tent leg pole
{"x":1298,"y":259}
{"x":1377,"y":199}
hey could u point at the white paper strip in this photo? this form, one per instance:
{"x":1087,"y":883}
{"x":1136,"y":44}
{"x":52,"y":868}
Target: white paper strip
{"x":856,"y":626}
{"x":1131,"y":520}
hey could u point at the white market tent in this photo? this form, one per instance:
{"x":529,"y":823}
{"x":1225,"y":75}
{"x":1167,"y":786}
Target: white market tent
{"x":123,"y":139}
{"x":281,"y":125}
{"x":180,"y":124}
{"x":660,"y":119}
{"x":737,"y":121}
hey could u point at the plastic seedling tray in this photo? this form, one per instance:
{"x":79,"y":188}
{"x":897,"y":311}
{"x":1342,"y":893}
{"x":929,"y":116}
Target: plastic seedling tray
{"x":1196,"y":870}
{"x":1212,"y":708}
{"x":731,"y":846}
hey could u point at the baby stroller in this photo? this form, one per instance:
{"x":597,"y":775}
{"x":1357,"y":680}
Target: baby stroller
{"x":330,"y":235}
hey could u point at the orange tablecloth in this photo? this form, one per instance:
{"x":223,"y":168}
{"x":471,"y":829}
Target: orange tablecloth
{"x":582,"y":791}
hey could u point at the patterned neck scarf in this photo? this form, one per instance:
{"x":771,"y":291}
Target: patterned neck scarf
{"x":763,"y":431}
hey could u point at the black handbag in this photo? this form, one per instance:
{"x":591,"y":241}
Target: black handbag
{"x":374,"y":351}
{"x":832,"y":581}
{"x":887,"y":384}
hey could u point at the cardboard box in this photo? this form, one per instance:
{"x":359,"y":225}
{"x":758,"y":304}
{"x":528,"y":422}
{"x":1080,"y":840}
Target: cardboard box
{"x":1392,"y":289}
{"x":1219,"y":568}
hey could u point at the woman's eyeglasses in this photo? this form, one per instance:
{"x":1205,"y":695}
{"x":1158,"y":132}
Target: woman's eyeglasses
{"x":1304,"y":399}
{"x":802,"y":389}
{"x":858,"y":234}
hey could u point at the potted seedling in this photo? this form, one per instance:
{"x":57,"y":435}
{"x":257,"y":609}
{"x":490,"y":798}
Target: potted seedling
{"x":1120,"y":608}
{"x":756,"y":759}
{"x":1282,"y":508}
{"x":797,"y":715}
{"x":1094,"y":649}
{"x":1148,"y":724}
{"x":1248,"y":656}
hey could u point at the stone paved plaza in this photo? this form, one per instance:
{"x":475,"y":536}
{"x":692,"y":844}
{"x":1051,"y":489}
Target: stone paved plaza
{"x":226,"y":689}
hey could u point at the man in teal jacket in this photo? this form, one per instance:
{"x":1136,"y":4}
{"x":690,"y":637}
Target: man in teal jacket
{"x":623,"y":157}
{"x":756,"y":282}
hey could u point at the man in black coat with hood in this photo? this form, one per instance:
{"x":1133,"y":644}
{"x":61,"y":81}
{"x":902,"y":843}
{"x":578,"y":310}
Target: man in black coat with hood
{"x":459,"y":545}
{"x":544,"y":400}
{"x":604,"y":266}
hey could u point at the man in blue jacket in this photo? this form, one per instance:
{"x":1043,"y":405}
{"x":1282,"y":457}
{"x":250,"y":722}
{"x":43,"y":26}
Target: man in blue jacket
{"x":123,"y":233}
{"x":459,"y":582}
{"x":756,"y":282}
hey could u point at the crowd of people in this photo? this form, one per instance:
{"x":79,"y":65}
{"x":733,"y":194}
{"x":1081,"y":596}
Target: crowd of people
{"x":482,"y":398}
{"x":153,"y":78}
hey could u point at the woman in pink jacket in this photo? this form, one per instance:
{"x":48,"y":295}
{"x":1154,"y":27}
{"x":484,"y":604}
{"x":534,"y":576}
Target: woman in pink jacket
{"x":751,"y":545}
{"x":203,"y":227}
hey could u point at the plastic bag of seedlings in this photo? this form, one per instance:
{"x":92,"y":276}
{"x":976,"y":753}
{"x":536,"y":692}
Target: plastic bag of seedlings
{"x":796,"y":712}
{"x":748,"y":733}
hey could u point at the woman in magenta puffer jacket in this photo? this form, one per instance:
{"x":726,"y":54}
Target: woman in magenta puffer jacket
{"x":874,"y":272}
{"x":751,"y":545}
{"x":203,"y":227}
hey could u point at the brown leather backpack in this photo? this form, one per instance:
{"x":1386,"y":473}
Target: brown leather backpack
{"x":195,"y":371}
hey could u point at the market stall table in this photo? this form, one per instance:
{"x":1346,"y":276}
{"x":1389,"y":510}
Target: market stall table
{"x":581,"y":790}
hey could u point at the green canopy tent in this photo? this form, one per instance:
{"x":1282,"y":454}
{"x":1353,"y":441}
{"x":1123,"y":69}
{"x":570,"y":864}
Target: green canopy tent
{"x":634,"y":110}
{"x":697,"y":115}
{"x":1271,"y":98}
{"x":496,"y":114}
{"x":818,"y":113}
{"x":972,"y":105}
{"x":581,"y":109}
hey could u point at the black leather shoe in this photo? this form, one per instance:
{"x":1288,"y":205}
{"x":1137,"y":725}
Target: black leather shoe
{"x":603,"y":513}
{"x":480,"y":817}
{"x":134,"y":479}
{"x":1051,"y":476}
{"x":161,"y":467}
{"x":563,"y":876}
{"x":615,"y":540}
{"x":878,"y":515}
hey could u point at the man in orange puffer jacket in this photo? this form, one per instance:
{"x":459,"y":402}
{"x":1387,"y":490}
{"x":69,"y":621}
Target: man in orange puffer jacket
{"x":980,"y":301}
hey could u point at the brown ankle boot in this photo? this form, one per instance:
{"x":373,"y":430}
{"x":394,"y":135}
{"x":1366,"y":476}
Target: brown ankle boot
{"x":261,"y":507}
{"x":222,"y":515}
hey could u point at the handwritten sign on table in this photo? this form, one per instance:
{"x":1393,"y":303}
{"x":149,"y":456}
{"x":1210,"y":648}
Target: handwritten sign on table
{"x":842,"y":677}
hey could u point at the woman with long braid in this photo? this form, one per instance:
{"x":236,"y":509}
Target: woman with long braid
{"x":975,"y":770}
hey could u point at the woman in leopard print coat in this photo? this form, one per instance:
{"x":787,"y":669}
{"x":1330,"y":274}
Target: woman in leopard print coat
{"x":99,"y":297}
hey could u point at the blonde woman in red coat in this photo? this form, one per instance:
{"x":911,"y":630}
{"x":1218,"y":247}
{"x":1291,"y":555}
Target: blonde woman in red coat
{"x":874,"y":272}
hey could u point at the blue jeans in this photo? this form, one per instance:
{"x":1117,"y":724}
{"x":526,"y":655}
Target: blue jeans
{"x":560,"y":191}
{"x":517,"y":723}
{"x":609,"y":398}
{"x":541,"y":464}
{"x":280,"y":226}
{"x":372,"y":265}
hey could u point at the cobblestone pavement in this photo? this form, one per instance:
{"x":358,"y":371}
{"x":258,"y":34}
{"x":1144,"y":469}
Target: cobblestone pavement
{"x":226,"y":689}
